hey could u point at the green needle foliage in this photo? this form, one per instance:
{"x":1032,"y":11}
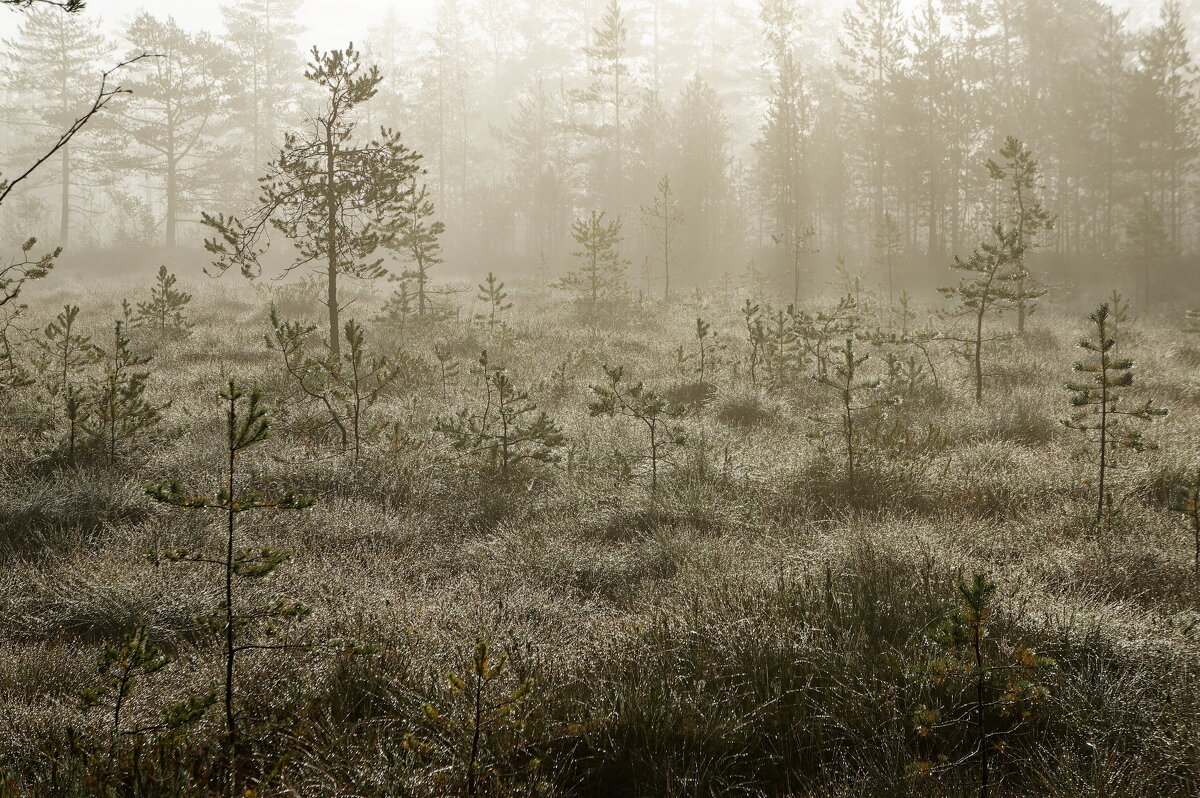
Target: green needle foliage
{"x":509,"y":429}
{"x":165,"y":312}
{"x":118,"y":413}
{"x":65,"y":352}
{"x":816,"y":334}
{"x":707,"y":348}
{"x":15,"y":273}
{"x":620,"y":397}
{"x":418,"y":240}
{"x":1119,"y":315}
{"x":1097,"y":401}
{"x":477,"y":743}
{"x":241,"y":626}
{"x":781,"y":349}
{"x":986,"y":691}
{"x":398,"y":307}
{"x":121,"y":667}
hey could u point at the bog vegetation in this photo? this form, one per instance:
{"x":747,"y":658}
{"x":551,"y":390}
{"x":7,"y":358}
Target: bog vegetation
{"x":867,"y":467}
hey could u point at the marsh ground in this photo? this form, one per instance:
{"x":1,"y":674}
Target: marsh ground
{"x":759,"y":625}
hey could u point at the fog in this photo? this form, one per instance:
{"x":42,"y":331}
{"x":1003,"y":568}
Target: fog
{"x":599,"y":398}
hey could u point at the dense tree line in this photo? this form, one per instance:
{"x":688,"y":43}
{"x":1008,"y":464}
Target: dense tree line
{"x":783,"y":132}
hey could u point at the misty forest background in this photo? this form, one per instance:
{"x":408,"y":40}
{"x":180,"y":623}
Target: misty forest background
{"x":770,"y":120}
{"x":657,"y":398}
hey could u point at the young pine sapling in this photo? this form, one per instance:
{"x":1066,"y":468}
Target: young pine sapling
{"x":1021,"y":177}
{"x":665,"y":217}
{"x":994,"y":282}
{"x":756,"y":338}
{"x":492,"y":293}
{"x":634,"y":401}
{"x":347,"y":386}
{"x":448,"y":369}
{"x":988,"y":690}
{"x":118,"y":413}
{"x":121,"y":667}
{"x":165,"y":312}
{"x":65,"y":354}
{"x":854,"y":395}
{"x":509,"y":429}
{"x":1097,"y":402}
{"x":602,"y":269}
{"x":480,"y":737}
{"x":242,"y":626}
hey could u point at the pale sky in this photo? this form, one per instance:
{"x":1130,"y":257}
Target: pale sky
{"x":331,"y":23}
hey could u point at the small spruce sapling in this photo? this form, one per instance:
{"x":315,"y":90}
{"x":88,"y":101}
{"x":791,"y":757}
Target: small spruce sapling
{"x":989,"y":691}
{"x":243,"y":627}
{"x":1097,"y":402}
{"x":165,"y":312}
{"x":509,"y":429}
{"x":481,"y":735}
{"x":399,"y":306}
{"x":781,"y":349}
{"x":634,"y":401}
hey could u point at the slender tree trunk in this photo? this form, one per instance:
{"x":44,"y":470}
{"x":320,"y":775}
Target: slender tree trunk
{"x":980,"y":710}
{"x":1103,"y":433}
{"x":172,"y":188}
{"x":979,"y":352}
{"x":849,"y":436}
{"x":231,"y":730}
{"x":335,"y":347}
{"x":476,"y":732}
{"x":64,"y":230}
{"x":666,"y":257}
